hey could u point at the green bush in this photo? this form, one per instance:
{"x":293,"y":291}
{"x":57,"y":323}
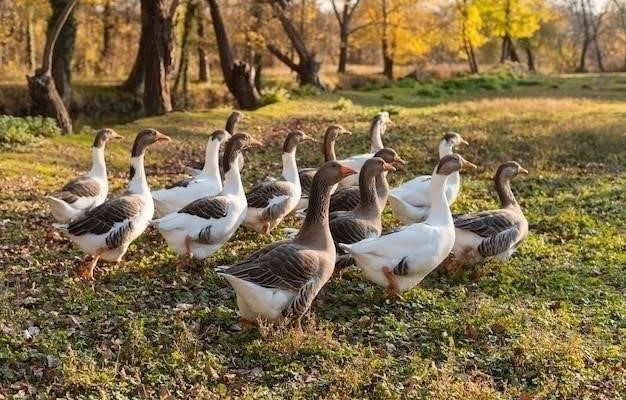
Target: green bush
{"x":271,"y":95}
{"x":307,"y":90}
{"x":15,"y":131}
{"x":342,"y":104}
{"x":429,"y":91}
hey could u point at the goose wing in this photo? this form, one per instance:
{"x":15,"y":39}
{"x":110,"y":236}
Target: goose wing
{"x":80,"y":187}
{"x":101,"y":219}
{"x":486,"y":223}
{"x":345,"y":199}
{"x":263,"y":195}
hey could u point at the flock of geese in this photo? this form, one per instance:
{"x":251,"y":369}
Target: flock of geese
{"x":341,"y":202}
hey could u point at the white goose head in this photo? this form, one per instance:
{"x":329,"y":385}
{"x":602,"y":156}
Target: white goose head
{"x":449,"y":141}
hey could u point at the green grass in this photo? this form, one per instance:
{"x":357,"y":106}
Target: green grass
{"x":550,"y":323}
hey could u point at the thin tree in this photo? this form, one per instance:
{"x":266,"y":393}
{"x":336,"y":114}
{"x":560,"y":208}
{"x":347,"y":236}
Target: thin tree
{"x":41,"y":86}
{"x":183,"y":64}
{"x":63,"y":50}
{"x":308,"y":66}
{"x":203,"y":59}
{"x":238,"y":75}
{"x":344,"y":18}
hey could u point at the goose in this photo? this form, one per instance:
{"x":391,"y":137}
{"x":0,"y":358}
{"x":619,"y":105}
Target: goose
{"x":347,"y":199}
{"x":328,"y":148}
{"x":494,"y":233}
{"x":410,"y":202}
{"x":281,"y":280}
{"x":85,"y":192}
{"x":207,"y":183}
{"x":270,"y":201}
{"x":233,"y":119}
{"x":401,"y":259}
{"x":106,"y":231}
{"x":377,"y":129}
{"x":364,"y":220}
{"x":203,"y":226}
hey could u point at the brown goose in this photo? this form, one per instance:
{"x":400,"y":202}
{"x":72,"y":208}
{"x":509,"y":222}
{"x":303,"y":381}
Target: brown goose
{"x":328,"y":148}
{"x":348,"y":198}
{"x":364,"y":220}
{"x":270,"y":201}
{"x":85,"y":192}
{"x":233,"y":119}
{"x":494,"y":233}
{"x":106,"y":231}
{"x":283,"y":281}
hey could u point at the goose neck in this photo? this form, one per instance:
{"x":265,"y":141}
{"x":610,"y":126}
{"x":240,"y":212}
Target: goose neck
{"x":503,"y":187}
{"x":138,"y":183}
{"x":439,"y":209}
{"x":376,"y":130}
{"x":211,"y":167}
{"x":232,"y":179}
{"x":444,"y":149}
{"x":368,"y":193}
{"x":290,"y":169}
{"x":315,"y":229}
{"x":329,"y":149}
{"x":98,"y":164}
{"x":382,"y":189}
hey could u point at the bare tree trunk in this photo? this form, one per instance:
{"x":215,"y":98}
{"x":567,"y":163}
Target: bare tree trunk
{"x":598,"y":52}
{"x":203,"y":62}
{"x":135,"y":77}
{"x":63,"y":50}
{"x":30,"y":42}
{"x":238,"y":75}
{"x":387,"y":58}
{"x":183,"y":65}
{"x":41,"y":86}
{"x":586,"y":38}
{"x":109,"y":25}
{"x":530,"y":59}
{"x":508,"y":50}
{"x":158,"y":57}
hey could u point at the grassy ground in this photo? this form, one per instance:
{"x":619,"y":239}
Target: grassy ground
{"x":550,"y":323}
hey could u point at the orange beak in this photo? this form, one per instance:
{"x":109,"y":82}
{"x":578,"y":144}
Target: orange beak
{"x":467,"y":164}
{"x":398,"y":160}
{"x":347,"y":171}
{"x":118,"y":136}
{"x":254,"y":142}
{"x":162,"y":137}
{"x":523,"y":171}
{"x":388,"y":167}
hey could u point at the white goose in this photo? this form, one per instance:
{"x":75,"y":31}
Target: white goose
{"x":401,"y":259}
{"x":270,"y":201}
{"x":377,"y":129}
{"x":410,"y":202}
{"x":494,"y":233}
{"x":85,"y":192}
{"x":104,"y":232}
{"x":207,"y":183}
{"x":202,"y":227}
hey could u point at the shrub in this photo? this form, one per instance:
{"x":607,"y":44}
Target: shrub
{"x":342,"y":104}
{"x":307,"y":90}
{"x":429,"y":91}
{"x":15,"y":131}
{"x":391,"y":109}
{"x":271,"y":95}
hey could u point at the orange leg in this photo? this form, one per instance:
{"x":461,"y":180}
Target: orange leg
{"x":86,"y":271}
{"x":246,"y":324}
{"x":185,"y":259}
{"x":453,"y":267}
{"x":392,"y":287}
{"x":297,"y":326}
{"x":267,"y":227}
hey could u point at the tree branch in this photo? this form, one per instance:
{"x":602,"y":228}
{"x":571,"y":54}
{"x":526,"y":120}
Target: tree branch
{"x":46,"y":67}
{"x":223,"y":46}
{"x":291,"y":32}
{"x":282,"y":57}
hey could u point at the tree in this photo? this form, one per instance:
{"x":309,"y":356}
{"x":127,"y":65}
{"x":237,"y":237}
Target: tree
{"x":63,"y":50}
{"x":183,"y":64}
{"x":620,"y":6}
{"x":308,"y":66}
{"x":41,"y":86}
{"x":344,"y":18}
{"x":156,"y":20}
{"x":238,"y":75}
{"x":589,"y":24}
{"x":468,"y":13}
{"x":203,"y":59}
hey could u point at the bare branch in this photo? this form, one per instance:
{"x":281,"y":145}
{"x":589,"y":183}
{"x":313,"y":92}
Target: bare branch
{"x":282,"y":57}
{"x":52,"y":39}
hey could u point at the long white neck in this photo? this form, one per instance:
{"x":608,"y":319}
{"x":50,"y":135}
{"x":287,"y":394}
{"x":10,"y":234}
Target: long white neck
{"x":439,"y":209}
{"x":290,"y":169}
{"x":232,"y":180}
{"x":138,"y":183}
{"x":376,"y":137}
{"x":444,"y":150}
{"x":98,"y":166}
{"x":211,"y":167}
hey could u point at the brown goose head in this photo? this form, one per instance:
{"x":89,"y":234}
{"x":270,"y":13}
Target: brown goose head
{"x":235,"y":145}
{"x":104,"y":135}
{"x":382,"y":118}
{"x":146,"y":138}
{"x":509,"y":170}
{"x":389,"y":155}
{"x":452,"y":163}
{"x":375,"y":166}
{"x":233,"y":119}
{"x":332,"y":172}
{"x":333,"y":132}
{"x":292,"y":140}
{"x":452,"y":139}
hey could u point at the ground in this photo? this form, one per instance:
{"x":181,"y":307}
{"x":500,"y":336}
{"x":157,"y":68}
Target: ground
{"x":549,"y":323}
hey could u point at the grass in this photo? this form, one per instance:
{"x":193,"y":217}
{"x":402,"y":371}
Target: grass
{"x":550,"y":323}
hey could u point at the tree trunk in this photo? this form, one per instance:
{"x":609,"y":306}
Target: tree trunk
{"x":158,"y":57}
{"x":203,"y":62}
{"x":388,"y":67}
{"x":530,"y":59}
{"x":109,"y":25}
{"x":63,"y":50}
{"x":508,"y":50}
{"x":598,"y":52}
{"x":30,"y":42}
{"x":183,"y":65}
{"x":582,"y":67}
{"x":238,"y":75}
{"x":343,"y":51}
{"x":41,"y":86}
{"x":135,"y":78}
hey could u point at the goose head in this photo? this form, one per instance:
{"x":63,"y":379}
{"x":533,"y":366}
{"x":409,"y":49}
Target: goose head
{"x":390,"y":156}
{"x":375,"y":166}
{"x":452,"y":163}
{"x":292,"y":140}
{"x":510,"y":170}
{"x":219,"y":136}
{"x":332,"y":172}
{"x":333,"y":132}
{"x":235,"y":145}
{"x":383,"y":119}
{"x":233,"y":119}
{"x":146,"y":138}
{"x":104,"y":135}
{"x":449,"y":141}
